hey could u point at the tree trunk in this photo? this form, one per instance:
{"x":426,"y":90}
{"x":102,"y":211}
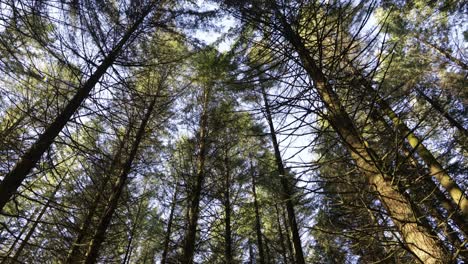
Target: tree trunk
{"x":281,"y":236}
{"x":36,"y":222}
{"x":286,"y":188}
{"x":7,"y":257}
{"x":227,"y":210}
{"x":74,"y":253}
{"x":99,"y":234}
{"x":429,"y":183}
{"x":267,"y":251}
{"x":445,"y":53}
{"x":441,"y":199}
{"x":251,"y":254}
{"x":167,"y":237}
{"x":258,"y":221}
{"x":194,"y":199}
{"x":13,"y":180}
{"x":128,"y":251}
{"x":435,"y":167}
{"x":443,"y":112}
{"x":426,"y":248}
{"x":288,"y":234}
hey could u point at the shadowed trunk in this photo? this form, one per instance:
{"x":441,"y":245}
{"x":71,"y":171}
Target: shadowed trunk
{"x":194,"y":199}
{"x":281,"y":236}
{"x":128,"y":251}
{"x":167,"y":237}
{"x":99,"y":234}
{"x":258,"y":221}
{"x":74,"y":255}
{"x":286,"y":188}
{"x":13,"y":180}
{"x":34,"y":225}
{"x":227,"y":210}
{"x":445,"y":53}
{"x":436,"y":105}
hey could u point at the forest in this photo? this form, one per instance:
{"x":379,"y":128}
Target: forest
{"x":233,"y":131}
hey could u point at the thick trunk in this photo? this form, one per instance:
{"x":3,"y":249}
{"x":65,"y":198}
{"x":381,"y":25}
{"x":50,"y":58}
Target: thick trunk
{"x":418,"y":240}
{"x":286,"y":188}
{"x":167,"y":237}
{"x":99,"y":234}
{"x":446,"y":203}
{"x":258,"y":221}
{"x":194,"y":199}
{"x":13,"y":180}
{"x":435,"y":168}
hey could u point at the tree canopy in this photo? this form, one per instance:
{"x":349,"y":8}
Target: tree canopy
{"x":165,"y":131}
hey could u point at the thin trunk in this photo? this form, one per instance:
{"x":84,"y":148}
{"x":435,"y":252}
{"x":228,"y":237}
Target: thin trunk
{"x":443,"y":112}
{"x":167,"y":237}
{"x":13,"y":180}
{"x":251,"y":254}
{"x":194,"y":199}
{"x":425,"y":248}
{"x":286,"y":188}
{"x":435,"y":167}
{"x":258,"y":221}
{"x":227,"y":210}
{"x":74,"y":254}
{"x":128,"y":251}
{"x":7,"y":257}
{"x":452,"y":213}
{"x":288,"y":234}
{"x":445,"y":53}
{"x":445,"y":228}
{"x":267,"y":251}
{"x":281,"y":236}
{"x":104,"y":222}
{"x":35,"y":224}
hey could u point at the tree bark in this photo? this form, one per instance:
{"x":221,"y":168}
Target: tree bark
{"x":104,"y":222}
{"x":74,"y":252}
{"x":443,"y":112}
{"x":128,"y":251}
{"x":227,"y":210}
{"x":288,"y":234}
{"x":286,"y":188}
{"x":167,"y":237}
{"x":194,"y":199}
{"x":445,"y":53}
{"x":34,"y":225}
{"x":281,"y":236}
{"x":440,"y":197}
{"x":434,"y":166}
{"x":13,"y":180}
{"x":258,"y":221}
{"x":424,"y":247}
